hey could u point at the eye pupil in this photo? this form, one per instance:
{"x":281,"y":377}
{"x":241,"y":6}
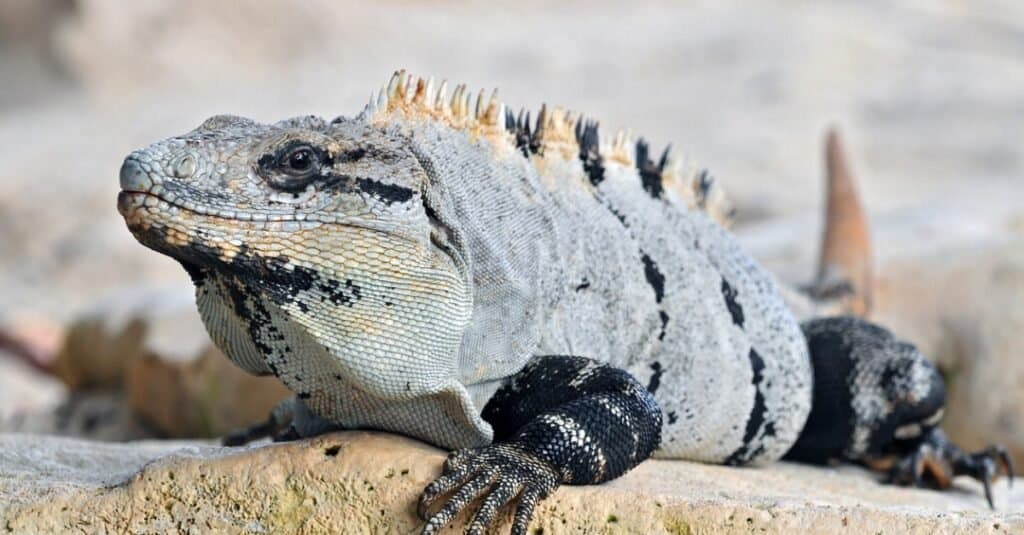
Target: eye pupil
{"x":300,"y":160}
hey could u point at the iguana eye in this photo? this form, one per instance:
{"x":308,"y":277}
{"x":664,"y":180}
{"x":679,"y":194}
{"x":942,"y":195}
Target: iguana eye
{"x":293,"y":167}
{"x":300,"y":161}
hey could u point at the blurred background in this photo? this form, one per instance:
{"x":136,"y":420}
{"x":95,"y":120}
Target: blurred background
{"x":100,"y":338}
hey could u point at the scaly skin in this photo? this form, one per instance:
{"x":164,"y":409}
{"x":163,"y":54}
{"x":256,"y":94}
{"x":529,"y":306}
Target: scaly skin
{"x":414,"y":269}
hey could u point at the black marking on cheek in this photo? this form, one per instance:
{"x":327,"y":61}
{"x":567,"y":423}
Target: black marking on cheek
{"x":672,"y":417}
{"x":335,"y":182}
{"x":303,"y":395}
{"x":735,"y":310}
{"x":353,"y":155}
{"x":654,"y":277}
{"x":757,"y":415}
{"x":389,"y":193}
{"x":583,"y":285}
{"x":655,"y":381}
{"x":650,"y":173}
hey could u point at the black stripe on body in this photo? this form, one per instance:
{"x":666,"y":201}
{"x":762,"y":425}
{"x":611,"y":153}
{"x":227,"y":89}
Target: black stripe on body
{"x":756,"y":421}
{"x":590,"y":157}
{"x":735,"y":310}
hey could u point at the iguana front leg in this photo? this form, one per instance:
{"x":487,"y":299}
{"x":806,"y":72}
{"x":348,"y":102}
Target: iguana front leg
{"x":289,"y":420}
{"x":561,"y":420}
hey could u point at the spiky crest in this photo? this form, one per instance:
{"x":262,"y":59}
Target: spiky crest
{"x":555,"y":133}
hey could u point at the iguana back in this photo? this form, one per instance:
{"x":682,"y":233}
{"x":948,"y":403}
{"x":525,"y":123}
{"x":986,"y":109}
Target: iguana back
{"x":580,"y":247}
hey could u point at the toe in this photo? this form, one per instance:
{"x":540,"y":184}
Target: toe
{"x":524,"y":511}
{"x":462,"y":498}
{"x":501,"y":495}
{"x":441,"y":486}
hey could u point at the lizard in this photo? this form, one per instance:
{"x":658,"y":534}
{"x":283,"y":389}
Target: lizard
{"x":550,"y":304}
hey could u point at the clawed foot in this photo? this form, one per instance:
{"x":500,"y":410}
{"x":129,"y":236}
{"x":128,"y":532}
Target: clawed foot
{"x":936,"y":461}
{"x":278,"y":426}
{"x":499,"y":473}
{"x":268,"y":428}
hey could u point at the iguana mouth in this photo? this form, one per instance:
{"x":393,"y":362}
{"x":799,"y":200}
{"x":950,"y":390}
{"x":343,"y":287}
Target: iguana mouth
{"x":130,"y":201}
{"x":141,"y":209}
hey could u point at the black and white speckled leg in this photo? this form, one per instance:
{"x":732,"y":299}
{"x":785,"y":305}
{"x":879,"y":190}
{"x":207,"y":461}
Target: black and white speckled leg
{"x":288,"y":420}
{"x":879,"y":402}
{"x":561,"y":420}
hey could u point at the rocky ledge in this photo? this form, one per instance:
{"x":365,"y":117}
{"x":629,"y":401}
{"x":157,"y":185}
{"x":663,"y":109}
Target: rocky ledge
{"x":361,"y":482}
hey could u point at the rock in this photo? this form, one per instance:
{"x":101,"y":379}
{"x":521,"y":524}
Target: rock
{"x":93,"y":415}
{"x":24,"y":391}
{"x":103,"y":343}
{"x":152,"y":346}
{"x":363,"y":482}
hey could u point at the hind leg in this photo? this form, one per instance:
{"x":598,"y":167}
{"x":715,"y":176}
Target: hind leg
{"x":878,"y":401}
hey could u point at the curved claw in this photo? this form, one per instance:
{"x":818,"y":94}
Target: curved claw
{"x":935,"y":461}
{"x":995,"y":461}
{"x":1003,"y":456}
{"x":919,"y":466}
{"x":985,"y":466}
{"x":986,"y":481}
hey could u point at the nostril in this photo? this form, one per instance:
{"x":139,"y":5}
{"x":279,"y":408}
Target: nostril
{"x":134,"y":177}
{"x":184,"y":166}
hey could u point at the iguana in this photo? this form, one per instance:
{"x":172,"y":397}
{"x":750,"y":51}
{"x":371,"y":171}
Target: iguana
{"x":553,"y":304}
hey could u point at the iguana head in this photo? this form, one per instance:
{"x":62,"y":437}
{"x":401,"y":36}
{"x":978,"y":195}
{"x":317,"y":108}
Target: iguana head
{"x":233,"y":189}
{"x":305,"y":238}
